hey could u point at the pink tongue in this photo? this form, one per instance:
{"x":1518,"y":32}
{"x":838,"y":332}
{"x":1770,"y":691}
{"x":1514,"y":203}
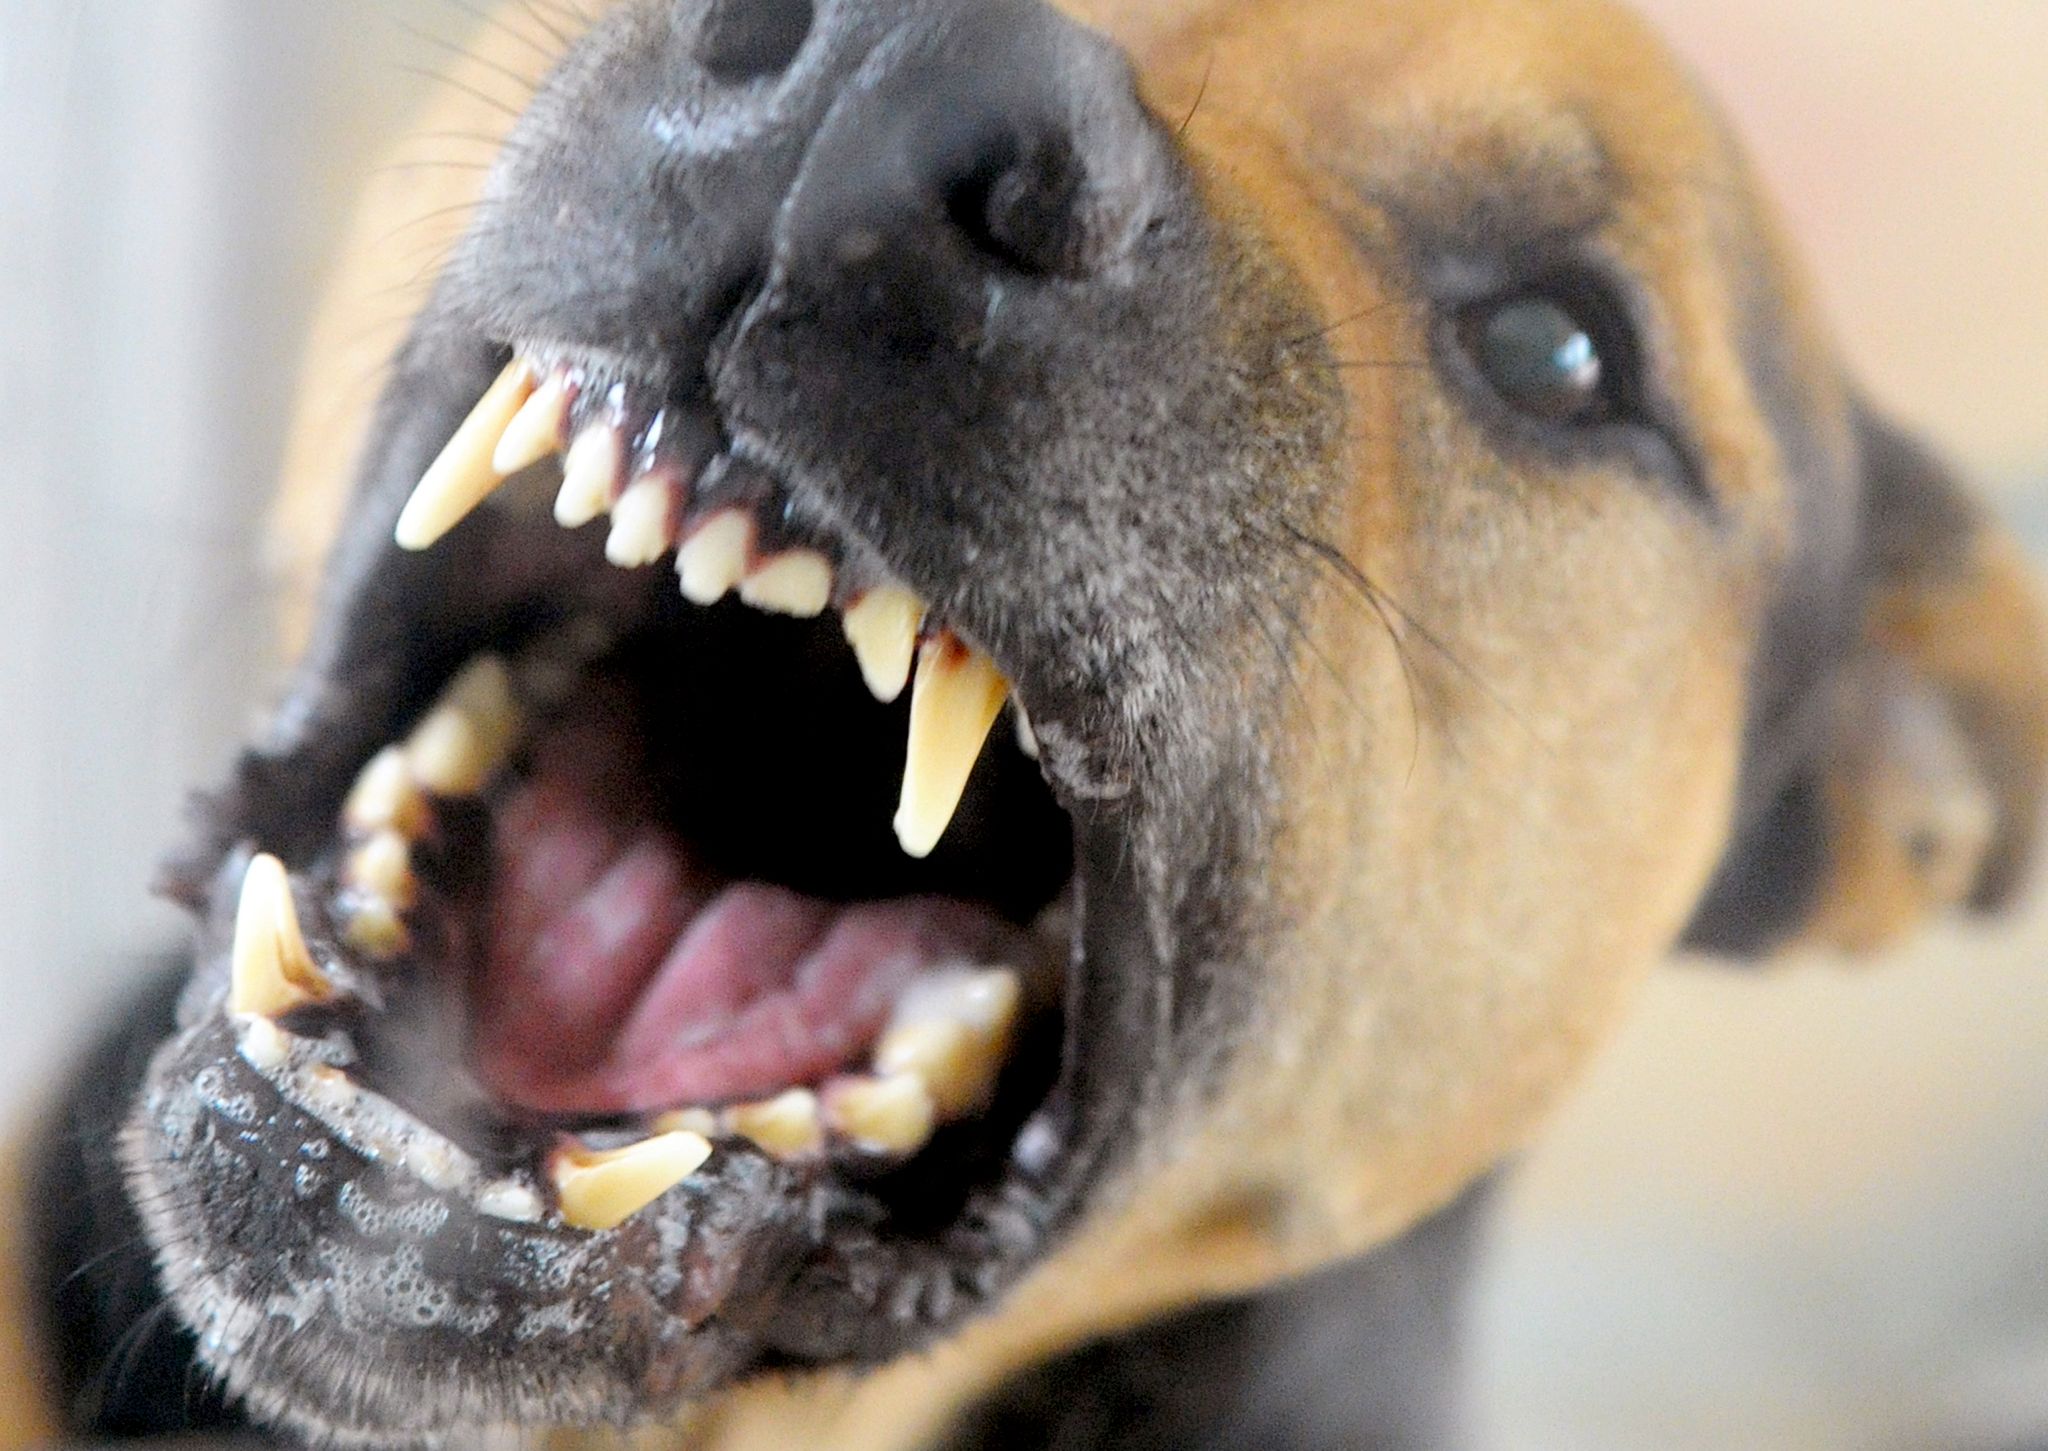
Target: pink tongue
{"x":618,"y":978}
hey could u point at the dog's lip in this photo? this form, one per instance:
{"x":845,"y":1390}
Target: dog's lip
{"x":831,"y":1309}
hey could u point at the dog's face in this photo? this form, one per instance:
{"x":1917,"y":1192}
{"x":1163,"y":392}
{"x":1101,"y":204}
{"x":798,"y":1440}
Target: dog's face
{"x":1379,"y":452}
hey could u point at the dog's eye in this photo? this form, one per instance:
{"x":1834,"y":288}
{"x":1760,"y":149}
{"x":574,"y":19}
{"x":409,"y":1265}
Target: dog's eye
{"x":1543,"y":357}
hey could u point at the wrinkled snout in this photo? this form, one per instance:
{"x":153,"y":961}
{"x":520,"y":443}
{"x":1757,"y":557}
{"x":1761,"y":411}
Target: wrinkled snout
{"x":892,"y":159}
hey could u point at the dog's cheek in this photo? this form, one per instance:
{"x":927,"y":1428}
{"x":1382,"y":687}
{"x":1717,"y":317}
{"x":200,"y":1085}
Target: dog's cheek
{"x":1497,"y":823}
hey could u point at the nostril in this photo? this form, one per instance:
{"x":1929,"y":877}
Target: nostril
{"x":746,"y":40}
{"x":1024,"y":206}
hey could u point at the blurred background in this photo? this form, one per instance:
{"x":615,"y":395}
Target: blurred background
{"x":1801,"y":1211}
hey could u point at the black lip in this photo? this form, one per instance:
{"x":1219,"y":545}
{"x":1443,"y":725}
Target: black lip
{"x":789,"y":1296}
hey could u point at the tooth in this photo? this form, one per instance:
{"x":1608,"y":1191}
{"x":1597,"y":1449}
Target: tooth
{"x":464,"y":476}
{"x":386,"y":797}
{"x":264,"y":1045}
{"x":641,"y":524}
{"x":537,"y":429}
{"x":700,"y":1121}
{"x":271,"y":970}
{"x":882,"y":628}
{"x":892,"y":1115}
{"x":602,"y":1190}
{"x":510,"y":1201}
{"x":589,"y":474}
{"x":1027,"y":736}
{"x":785,"y":1127}
{"x":952,"y":1031}
{"x":469,"y":735}
{"x":797,"y":583}
{"x":381,"y":868}
{"x":714,"y":559}
{"x":953,"y":706}
{"x":375,"y":928}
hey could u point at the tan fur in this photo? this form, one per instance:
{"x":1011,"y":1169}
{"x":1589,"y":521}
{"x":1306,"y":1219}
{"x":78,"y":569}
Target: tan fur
{"x":1418,"y":1021}
{"x":26,"y":1416}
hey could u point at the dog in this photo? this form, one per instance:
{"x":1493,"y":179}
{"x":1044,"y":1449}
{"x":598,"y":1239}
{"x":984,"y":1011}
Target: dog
{"x":1369,"y":548}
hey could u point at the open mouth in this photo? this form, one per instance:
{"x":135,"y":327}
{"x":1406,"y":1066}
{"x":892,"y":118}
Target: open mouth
{"x":712,"y":910}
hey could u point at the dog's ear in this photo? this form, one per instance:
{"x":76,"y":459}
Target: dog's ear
{"x":1919,"y":785}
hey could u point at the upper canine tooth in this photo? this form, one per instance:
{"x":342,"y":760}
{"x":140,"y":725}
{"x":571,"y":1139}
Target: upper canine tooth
{"x":953,"y":706}
{"x":589,"y":474}
{"x":882,"y":628}
{"x":714,"y":559}
{"x":784,"y":1127}
{"x":602,"y":1190}
{"x":464,"y":475}
{"x":537,"y":430}
{"x":797,"y":583}
{"x":469,"y":735}
{"x":642,"y":523}
{"x":271,"y":971}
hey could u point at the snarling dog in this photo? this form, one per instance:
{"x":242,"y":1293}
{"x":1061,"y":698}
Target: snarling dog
{"x":1368,"y":548}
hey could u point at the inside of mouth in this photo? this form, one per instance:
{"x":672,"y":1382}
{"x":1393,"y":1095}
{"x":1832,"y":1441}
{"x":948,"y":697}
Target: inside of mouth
{"x":680,"y":899}
{"x":696,"y":898}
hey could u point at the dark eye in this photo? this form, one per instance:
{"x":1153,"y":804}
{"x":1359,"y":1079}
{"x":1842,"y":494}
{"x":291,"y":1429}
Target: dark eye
{"x":1544,"y":358}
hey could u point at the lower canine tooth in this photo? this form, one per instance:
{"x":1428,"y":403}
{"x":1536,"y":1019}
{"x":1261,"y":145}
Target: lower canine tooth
{"x":464,"y":475}
{"x":589,"y":474}
{"x":714,"y":559}
{"x":882,"y":628}
{"x":952,"y":1031}
{"x":535,"y":432}
{"x":642,"y":525}
{"x":785,"y":1127}
{"x":468,"y":736}
{"x":602,"y":1190}
{"x":386,"y":797}
{"x":883,"y":1115}
{"x":953,"y":706}
{"x":798,"y":583}
{"x":271,"y":972}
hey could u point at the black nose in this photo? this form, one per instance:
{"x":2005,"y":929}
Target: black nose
{"x":747,"y":40}
{"x":987,"y":141}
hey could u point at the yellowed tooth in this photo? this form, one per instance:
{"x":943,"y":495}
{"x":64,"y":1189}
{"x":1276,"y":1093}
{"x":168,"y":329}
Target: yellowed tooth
{"x":714,"y":559}
{"x":893,"y":1115}
{"x":467,"y":738}
{"x":953,"y":707}
{"x":386,"y":798}
{"x":464,"y":475}
{"x":690,"y":1121}
{"x":952,"y":1032}
{"x":375,"y":928}
{"x":642,"y":524}
{"x":588,"y":475}
{"x":603,"y":1189}
{"x":796,"y":583}
{"x":787,"y":1126}
{"x":537,"y":430}
{"x":382,"y":869}
{"x":271,"y":971}
{"x":882,"y":628}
